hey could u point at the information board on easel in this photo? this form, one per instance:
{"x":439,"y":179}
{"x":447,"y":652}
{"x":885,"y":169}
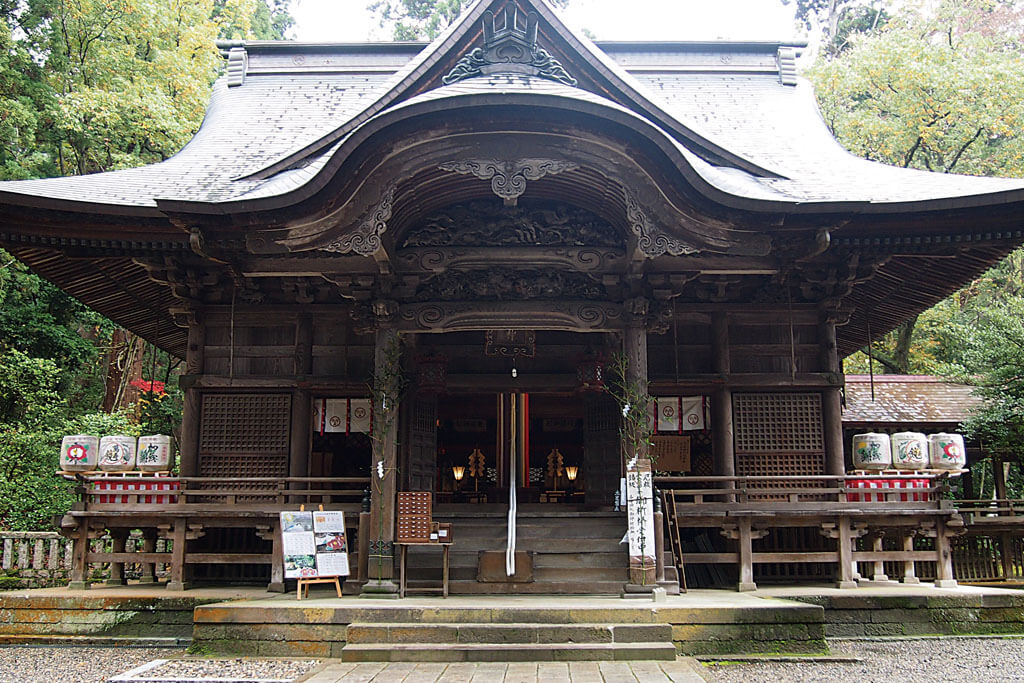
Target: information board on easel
{"x":315,"y":548}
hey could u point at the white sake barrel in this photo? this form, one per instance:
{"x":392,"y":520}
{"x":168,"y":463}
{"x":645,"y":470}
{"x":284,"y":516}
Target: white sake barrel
{"x":117,"y":453}
{"x":946,"y":451}
{"x":79,"y":453}
{"x":872,"y":452}
{"x":909,"y":451}
{"x":155,"y":453}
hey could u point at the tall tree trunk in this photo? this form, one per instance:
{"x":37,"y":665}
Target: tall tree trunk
{"x":124,"y":364}
{"x":904,"y":338}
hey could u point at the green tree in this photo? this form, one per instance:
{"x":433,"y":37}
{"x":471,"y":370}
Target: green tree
{"x":422,"y":19}
{"x":935,"y":88}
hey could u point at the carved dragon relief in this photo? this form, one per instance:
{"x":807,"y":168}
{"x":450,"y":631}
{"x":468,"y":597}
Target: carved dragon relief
{"x":508,"y":178}
{"x":365,"y":240}
{"x":487,"y":224}
{"x":509,"y":284}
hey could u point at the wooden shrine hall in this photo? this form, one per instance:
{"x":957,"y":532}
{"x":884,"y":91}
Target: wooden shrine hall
{"x":406,"y":267}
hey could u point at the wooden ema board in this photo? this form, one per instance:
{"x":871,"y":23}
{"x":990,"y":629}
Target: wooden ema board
{"x":413,"y":517}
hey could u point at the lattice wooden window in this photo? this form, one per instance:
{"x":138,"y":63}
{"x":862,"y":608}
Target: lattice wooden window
{"x":779,"y":464}
{"x":244,"y":435}
{"x":777,"y":422}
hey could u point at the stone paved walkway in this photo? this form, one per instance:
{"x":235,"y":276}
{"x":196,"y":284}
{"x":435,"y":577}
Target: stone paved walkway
{"x":679,"y":671}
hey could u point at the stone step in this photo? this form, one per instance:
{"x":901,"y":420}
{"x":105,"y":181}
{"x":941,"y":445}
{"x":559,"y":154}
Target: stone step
{"x":563,"y":587}
{"x":515,"y":652}
{"x":503,"y":633}
{"x":93,"y":641}
{"x":431,"y":575}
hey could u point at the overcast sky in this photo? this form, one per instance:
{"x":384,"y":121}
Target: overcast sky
{"x":350,"y":21}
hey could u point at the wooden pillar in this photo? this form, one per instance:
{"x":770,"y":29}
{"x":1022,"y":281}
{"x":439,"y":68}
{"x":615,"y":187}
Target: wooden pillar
{"x":179,"y":538}
{"x":745,"y":539}
{"x":118,"y":543}
{"x":722,"y":445}
{"x":635,"y":347}
{"x":909,"y":576}
{"x":79,"y":555}
{"x":831,"y":400}
{"x":844,"y":541}
{"x":999,"y":476}
{"x":148,"y":546}
{"x":381,"y":555}
{"x":877,"y":545}
{"x":301,"y":427}
{"x":944,"y":576}
{"x":191,"y":410}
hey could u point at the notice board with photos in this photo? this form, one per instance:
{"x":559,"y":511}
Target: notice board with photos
{"x":314,"y":544}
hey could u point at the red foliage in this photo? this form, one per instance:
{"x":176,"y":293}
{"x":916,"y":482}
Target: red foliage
{"x":154,"y":387}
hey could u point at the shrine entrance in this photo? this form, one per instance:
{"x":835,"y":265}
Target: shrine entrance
{"x":483,"y":418}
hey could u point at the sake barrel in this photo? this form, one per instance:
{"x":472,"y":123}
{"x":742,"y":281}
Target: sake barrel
{"x":155,"y":453}
{"x":909,"y":451}
{"x":79,"y":453}
{"x":872,"y":451}
{"x":117,"y":453}
{"x":946,"y":451}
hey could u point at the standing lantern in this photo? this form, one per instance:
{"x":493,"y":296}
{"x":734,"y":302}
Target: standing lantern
{"x":117,"y":453}
{"x":872,"y":451}
{"x":155,"y":453}
{"x":909,"y":451}
{"x":79,"y":453}
{"x":946,"y":451}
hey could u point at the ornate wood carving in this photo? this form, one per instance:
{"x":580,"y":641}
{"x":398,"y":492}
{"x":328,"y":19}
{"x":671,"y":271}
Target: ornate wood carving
{"x":508,"y":284}
{"x":511,"y":343}
{"x":509,"y":47}
{"x":508,"y":178}
{"x":440,"y":259}
{"x":486,"y":224}
{"x":651,"y":241}
{"x":462,"y":316}
{"x":365,"y":240}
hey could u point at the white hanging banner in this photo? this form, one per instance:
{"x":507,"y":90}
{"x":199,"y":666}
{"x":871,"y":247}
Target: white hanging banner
{"x":667,"y":416}
{"x":693,"y":412}
{"x":640,"y":517}
{"x":510,"y":547}
{"x":359,"y":415}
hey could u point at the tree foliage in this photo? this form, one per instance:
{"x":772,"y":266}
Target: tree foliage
{"x":422,"y":19}
{"x":86,"y":86}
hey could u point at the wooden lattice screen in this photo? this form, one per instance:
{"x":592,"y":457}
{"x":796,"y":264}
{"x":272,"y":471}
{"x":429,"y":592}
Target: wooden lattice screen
{"x":244,"y":435}
{"x":778,"y":434}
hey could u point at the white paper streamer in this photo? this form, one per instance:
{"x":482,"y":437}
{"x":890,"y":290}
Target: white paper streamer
{"x":510,"y":547}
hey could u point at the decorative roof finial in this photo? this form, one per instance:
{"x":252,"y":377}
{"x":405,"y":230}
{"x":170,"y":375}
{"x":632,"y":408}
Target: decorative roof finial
{"x":509,"y":47}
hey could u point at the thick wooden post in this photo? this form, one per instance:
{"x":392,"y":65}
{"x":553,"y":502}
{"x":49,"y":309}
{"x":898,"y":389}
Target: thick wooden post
{"x":191,"y":409}
{"x":746,"y":553}
{"x":301,"y":427}
{"x":723,"y":453}
{"x":79,"y":553}
{"x":909,"y":576}
{"x":944,"y":576}
{"x":381,"y":555}
{"x":635,"y":347}
{"x":844,"y":539}
{"x":118,"y":541}
{"x":148,"y":546}
{"x":179,"y":537}
{"x":831,"y":400}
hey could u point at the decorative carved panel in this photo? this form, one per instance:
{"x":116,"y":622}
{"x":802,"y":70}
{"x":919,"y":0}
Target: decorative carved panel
{"x":556,"y":315}
{"x":506,"y":284}
{"x":439,"y":259}
{"x":365,"y":240}
{"x":508,"y":178}
{"x":489,"y":224}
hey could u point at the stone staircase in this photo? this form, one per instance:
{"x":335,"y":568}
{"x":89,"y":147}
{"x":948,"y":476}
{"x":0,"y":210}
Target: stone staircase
{"x":573,"y":552}
{"x":492,"y":642}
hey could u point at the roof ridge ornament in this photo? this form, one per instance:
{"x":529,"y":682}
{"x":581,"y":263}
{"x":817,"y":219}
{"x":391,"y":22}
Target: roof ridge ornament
{"x":786,"y":59}
{"x":509,"y":47}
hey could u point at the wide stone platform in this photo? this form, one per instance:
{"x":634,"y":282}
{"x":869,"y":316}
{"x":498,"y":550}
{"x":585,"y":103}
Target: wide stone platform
{"x":250,"y":621}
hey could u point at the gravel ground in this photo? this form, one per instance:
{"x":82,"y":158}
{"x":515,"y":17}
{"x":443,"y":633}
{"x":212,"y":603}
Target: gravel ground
{"x":255,"y":669}
{"x":73,"y":664}
{"x":946,"y":660}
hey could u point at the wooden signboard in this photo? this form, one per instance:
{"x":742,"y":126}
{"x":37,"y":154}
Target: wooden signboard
{"x":640,"y":519}
{"x":315,"y":548}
